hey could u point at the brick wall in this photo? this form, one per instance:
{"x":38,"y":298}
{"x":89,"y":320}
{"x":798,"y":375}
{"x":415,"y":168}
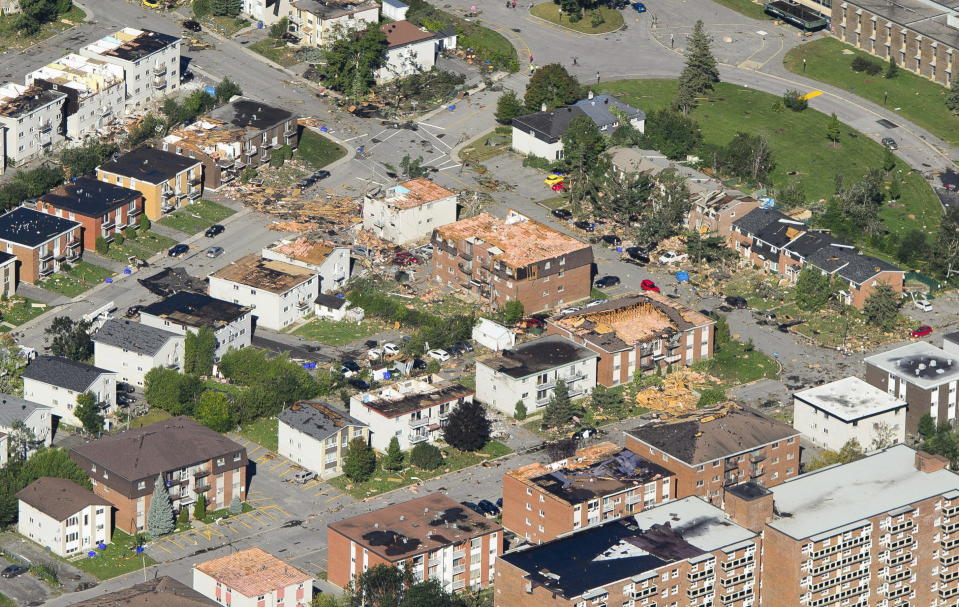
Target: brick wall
{"x":860,"y":295}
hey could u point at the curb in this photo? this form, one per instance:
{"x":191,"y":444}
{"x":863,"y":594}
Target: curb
{"x":529,"y":11}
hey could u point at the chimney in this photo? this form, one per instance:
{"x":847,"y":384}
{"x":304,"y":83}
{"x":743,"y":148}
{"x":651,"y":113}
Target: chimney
{"x":590,"y":96}
{"x":927,"y":462}
{"x":749,"y":505}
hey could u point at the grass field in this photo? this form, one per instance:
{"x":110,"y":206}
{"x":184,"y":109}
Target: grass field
{"x":798,"y":143}
{"x":144,"y":246}
{"x":277,"y":52}
{"x":262,"y":432}
{"x":10,"y":39}
{"x":223,"y":25}
{"x":549,"y":11}
{"x":489,"y":45}
{"x":745,"y":7}
{"x":152,"y":416}
{"x":915,"y":98}
{"x":6,"y":601}
{"x":18,"y":310}
{"x":79,"y":278}
{"x":338,"y":333}
{"x":736,"y":364}
{"x":118,"y":558}
{"x":196,"y":217}
{"x":318,"y":150}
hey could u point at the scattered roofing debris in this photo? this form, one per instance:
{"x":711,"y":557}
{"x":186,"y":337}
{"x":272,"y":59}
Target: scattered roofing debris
{"x":536,"y":356}
{"x":173,"y":280}
{"x":410,"y":395}
{"x":412,"y":193}
{"x":253,"y":572}
{"x":131,"y":44}
{"x":267,"y":274}
{"x":675,"y":396}
{"x":317,"y":419}
{"x":18,"y":100}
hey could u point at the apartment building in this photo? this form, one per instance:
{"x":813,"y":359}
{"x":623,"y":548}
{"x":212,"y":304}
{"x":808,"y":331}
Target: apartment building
{"x":686,"y":553}
{"x":132,"y":349}
{"x":330,"y":261}
{"x":63,"y":517}
{"x":163,"y":590}
{"x":40,"y":242}
{"x":410,"y":50}
{"x":921,"y":374}
{"x":640,"y":332}
{"x":232,"y":324}
{"x":528,"y":373}
{"x":316,"y":22}
{"x":846,"y":409}
{"x":435,"y":536}
{"x":57,"y":382}
{"x":190,"y":458}
{"x":514,"y":258}
{"x":233,"y":137}
{"x":316,"y":435}
{"x":150,"y":62}
{"x":922,"y":35}
{"x":167,"y":181}
{"x":596,"y":484}
{"x":412,"y":410}
{"x":713,"y":211}
{"x":38,"y":418}
{"x":103,"y":209}
{"x":408,"y":211}
{"x":31,"y":122}
{"x":8,"y":274}
{"x":253,"y":578}
{"x":719,"y":450}
{"x":279,"y":293}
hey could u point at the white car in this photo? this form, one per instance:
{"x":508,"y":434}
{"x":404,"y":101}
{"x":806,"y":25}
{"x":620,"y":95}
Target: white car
{"x":391,"y":349}
{"x":440,"y":355}
{"x":672,"y":257}
{"x":374,"y":353}
{"x":923,"y":305}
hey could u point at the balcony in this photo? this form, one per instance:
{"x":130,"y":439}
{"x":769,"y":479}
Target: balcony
{"x":201,"y":474}
{"x":695,"y":593}
{"x":418,"y":438}
{"x":239,"y":163}
{"x":72,"y":255}
{"x":159,"y":83}
{"x":459,"y":569}
{"x":106,"y":225}
{"x":645,"y":593}
{"x":265,"y":156}
{"x":225,"y":163}
{"x":730,"y":464}
{"x":46,"y":270}
{"x":166,"y":193}
{"x":46,"y":255}
{"x":898,"y":592}
{"x":159,"y":70}
{"x":756,"y":473}
{"x":757,"y":457}
{"x":76,"y":242}
{"x":46,"y":127}
{"x":194,"y":194}
{"x":694,"y":576}
{"x":202,"y":487}
{"x":251,"y":151}
{"x":947,"y":593}
{"x":950,"y":510}
{"x":419,"y":423}
{"x":134,"y":213}
{"x":459,"y":554}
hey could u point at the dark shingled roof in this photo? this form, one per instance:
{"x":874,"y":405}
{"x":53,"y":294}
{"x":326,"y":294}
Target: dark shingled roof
{"x":149,"y":165}
{"x":420,"y":400}
{"x":538,"y":355}
{"x":59,"y":497}
{"x":143,"y":45}
{"x":133,"y":336}
{"x":849,"y":263}
{"x":548,"y":126}
{"x":599,"y":109}
{"x":167,"y":445}
{"x":196,"y":310}
{"x":172,"y":280}
{"x":63,"y":372}
{"x":809,"y":243}
{"x":317,"y":419}
{"x":253,"y":114}
{"x":90,"y":197}
{"x":330,"y":301}
{"x":748,"y":491}
{"x":159,"y":592}
{"x":32,"y":228}
{"x":759,"y":218}
{"x":696,"y":442}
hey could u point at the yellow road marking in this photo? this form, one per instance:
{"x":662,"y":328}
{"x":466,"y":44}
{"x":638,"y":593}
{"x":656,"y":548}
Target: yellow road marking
{"x":275,"y":507}
{"x":811,"y":95}
{"x":257,"y":499}
{"x":312,"y":484}
{"x":255,"y":448}
{"x":161,"y":547}
{"x":242,"y":522}
{"x":336,"y":497}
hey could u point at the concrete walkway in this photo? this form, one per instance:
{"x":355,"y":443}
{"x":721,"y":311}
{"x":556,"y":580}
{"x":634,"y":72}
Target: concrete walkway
{"x":41,"y":295}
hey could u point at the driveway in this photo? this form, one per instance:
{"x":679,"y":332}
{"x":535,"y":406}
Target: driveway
{"x":26,"y":588}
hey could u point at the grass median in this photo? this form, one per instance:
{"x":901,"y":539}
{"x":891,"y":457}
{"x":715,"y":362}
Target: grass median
{"x":317,"y":150}
{"x":611,"y":19}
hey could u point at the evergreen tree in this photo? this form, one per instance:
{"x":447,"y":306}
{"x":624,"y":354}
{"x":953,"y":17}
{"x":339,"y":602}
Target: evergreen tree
{"x":952,"y":95}
{"x":882,"y":307}
{"x":394,"y":457}
{"x":833,"y":128}
{"x":160,"y":519}
{"x":813,"y":289}
{"x":236,"y":506}
{"x":508,"y":106}
{"x":198,"y":352}
{"x":426,"y":456}
{"x":892,"y":70}
{"x":560,"y":409}
{"x":519,"y":413}
{"x":199,"y":508}
{"x":88,"y":412}
{"x":700,"y":72}
{"x":359,"y":461}
{"x":467,"y":428}
{"x":183,"y":517}
{"x":610,"y":402}
{"x":551,"y":86}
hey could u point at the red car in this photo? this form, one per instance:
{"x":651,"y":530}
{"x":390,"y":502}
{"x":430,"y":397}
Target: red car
{"x":558,"y":187}
{"x":405,"y":258}
{"x":532,"y":323}
{"x":648,"y":285}
{"x":922,"y":331}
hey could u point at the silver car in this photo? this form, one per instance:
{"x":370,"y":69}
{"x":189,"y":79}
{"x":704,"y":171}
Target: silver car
{"x":214,"y":252}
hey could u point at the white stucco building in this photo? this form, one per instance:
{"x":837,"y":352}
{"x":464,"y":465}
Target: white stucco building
{"x":253,"y":578}
{"x":327,"y":259}
{"x":412,"y":410}
{"x":279,"y":293}
{"x":63,"y":517}
{"x":410,"y":50}
{"x":317,"y":23}
{"x":56,"y":382}
{"x":846,"y":409}
{"x":150,"y":62}
{"x":408,"y":211}
{"x":131,"y":349}
{"x":493,"y":335}
{"x":31,"y":122}
{"x":36,"y":417}
{"x":529,"y":373}
{"x":185,"y":311}
{"x":316,"y":435}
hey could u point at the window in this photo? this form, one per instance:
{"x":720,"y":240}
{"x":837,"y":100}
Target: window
{"x":141,"y":485}
{"x":221,"y":461}
{"x":236,"y":457}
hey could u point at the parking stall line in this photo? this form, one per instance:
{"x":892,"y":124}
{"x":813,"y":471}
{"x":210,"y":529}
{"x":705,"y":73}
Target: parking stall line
{"x":163,"y":548}
{"x":335,"y":497}
{"x":275,"y":507}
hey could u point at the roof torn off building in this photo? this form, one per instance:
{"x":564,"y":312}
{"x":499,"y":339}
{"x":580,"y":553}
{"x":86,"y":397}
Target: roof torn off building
{"x":308,"y":251}
{"x":267,"y":274}
{"x":412,"y":193}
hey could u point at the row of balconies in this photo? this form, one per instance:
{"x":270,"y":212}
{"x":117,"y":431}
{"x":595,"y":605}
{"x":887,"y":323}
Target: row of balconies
{"x":856,"y":541}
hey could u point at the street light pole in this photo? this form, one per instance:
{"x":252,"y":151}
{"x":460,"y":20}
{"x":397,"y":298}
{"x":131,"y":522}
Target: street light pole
{"x":803,"y":66}
{"x":885,"y":96}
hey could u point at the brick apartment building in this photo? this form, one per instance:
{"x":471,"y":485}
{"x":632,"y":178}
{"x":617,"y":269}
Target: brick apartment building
{"x":718,"y":451}
{"x":641,"y":332}
{"x":714,"y":211}
{"x":167,"y":181}
{"x":40,"y":243}
{"x":686,"y":553}
{"x":921,"y":374}
{"x":438,"y":538}
{"x":598,"y":483}
{"x":192,"y":459}
{"x":103,"y":209}
{"x":516,"y":258}
{"x":253,"y":578}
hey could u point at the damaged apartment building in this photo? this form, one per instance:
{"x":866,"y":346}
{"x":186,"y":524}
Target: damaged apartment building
{"x":31,"y":122}
{"x":641,"y":332}
{"x":515,"y":258}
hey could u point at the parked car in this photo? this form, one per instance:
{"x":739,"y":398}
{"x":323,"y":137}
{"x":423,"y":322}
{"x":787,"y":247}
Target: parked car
{"x":735,"y":301}
{"x":606,"y":281}
{"x":922,"y":331}
{"x":302,"y":476}
{"x":321,"y":175}
{"x":13,"y":571}
{"x":785,"y":326}
{"x":122,"y":386}
{"x":178,"y":249}
{"x":499,"y":502}
{"x":473,"y":507}
{"x":558,"y":187}
{"x":391,"y":349}
{"x":564,"y":214}
{"x":133,"y":311}
{"x":349,"y":368}
{"x":672,"y":257}
{"x":455,"y":350}
{"x":890,"y":143}
{"x":637,"y":255}
{"x":193,"y":26}
{"x":594,"y":302}
{"x":361,"y":251}
{"x":374,"y":353}
{"x":464,"y":345}
{"x":425,"y":250}
{"x":405,"y":259}
{"x":214,"y":252}
{"x":359,"y":384}
{"x":923,"y":305}
{"x":553,"y":179}
{"x":639,"y":7}
{"x":531,"y":322}
{"x":612,"y":240}
{"x":648,"y":285}
{"x":440,"y":355}
{"x":488,"y":507}
{"x":418,"y":363}
{"x":571,"y":309}
{"x":584,"y":433}
{"x":214,"y":230}
{"x":586,"y":226}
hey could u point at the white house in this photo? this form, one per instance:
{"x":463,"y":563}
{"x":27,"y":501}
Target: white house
{"x":56,"y":382}
{"x":493,"y":335}
{"x":316,"y":23}
{"x":185,"y":311}
{"x":315,"y":436}
{"x":150,"y":62}
{"x":131,"y":349}
{"x":279,"y":293}
{"x":412,"y":410}
{"x":408,"y":211}
{"x":253,"y":578}
{"x":31,"y":122}
{"x":395,"y":10}
{"x":846,"y":409}
{"x":37,"y":418}
{"x":329,"y":260}
{"x":331,"y":307}
{"x":63,"y":517}
{"x":410,"y":50}
{"x":529,"y":373}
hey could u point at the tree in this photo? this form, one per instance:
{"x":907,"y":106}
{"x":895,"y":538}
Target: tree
{"x":952,"y":95}
{"x":508,"y":106}
{"x":70,"y":338}
{"x":226,"y":8}
{"x":428,"y":593}
{"x":236,"y":506}
{"x":160,"y":517}
{"x":359,"y":461}
{"x":947,"y":242}
{"x":860,"y":203}
{"x":411,"y":168}
{"x":12,"y":364}
{"x":672,"y":133}
{"x":519,"y":412}
{"x":615,"y":194}
{"x":88,"y":412}
{"x":426,"y":456}
{"x":833,"y":129}
{"x":86,"y":157}
{"x":708,"y":249}
{"x":226,"y":90}
{"x":610,"y":402}
{"x":664,"y":214}
{"x":813,"y":289}
{"x":882,"y":307}
{"x":144,"y":223}
{"x":394,"y":459}
{"x":747,"y":156}
{"x":550,"y":87}
{"x":561,"y":410}
{"x":913,"y":246}
{"x":171,"y":391}
{"x":583,"y":145}
{"x":700,"y":72}
{"x":199,"y":349}
{"x":213,"y":410}
{"x":850,"y":452}
{"x":21,"y":441}
{"x":885,"y":436}
{"x":927,"y":426}
{"x":201,"y":8}
{"x":888,"y":159}
{"x":795,"y":100}
{"x":892,"y":70}
{"x":278,"y":29}
{"x":351,"y":60}
{"x":791,"y":194}
{"x":199,"y":508}
{"x":468,"y":428}
{"x":378,"y":586}
{"x":512,"y":312}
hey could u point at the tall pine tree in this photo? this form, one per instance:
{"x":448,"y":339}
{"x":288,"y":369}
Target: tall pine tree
{"x":882,"y":307}
{"x":700,"y":72}
{"x":467,"y":428}
{"x":394,"y":457}
{"x":561,"y":409}
{"x":160,"y":518}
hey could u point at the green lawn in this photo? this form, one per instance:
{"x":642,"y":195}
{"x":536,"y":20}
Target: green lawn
{"x":144,"y":246}
{"x":6,"y":601}
{"x":89,"y":272}
{"x":151,"y":241}
{"x":318,"y":150}
{"x":489,"y":45}
{"x":387,"y":480}
{"x":262,"y":432}
{"x":231,"y":389}
{"x":18,"y":310}
{"x":10,"y":39}
{"x":223,"y":25}
{"x":196,"y":217}
{"x":79,"y":278}
{"x":478,"y":150}
{"x":338,"y":333}
{"x":798,"y":142}
{"x":277,"y":52}
{"x":735,"y":364}
{"x":612,"y":19}
{"x":915,"y":98}
{"x":746,"y":7}
{"x":152,"y":416}
{"x":117,"y":559}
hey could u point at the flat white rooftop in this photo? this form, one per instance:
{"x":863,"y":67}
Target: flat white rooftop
{"x":849,"y":399}
{"x":699,"y":522}
{"x":920,"y":363}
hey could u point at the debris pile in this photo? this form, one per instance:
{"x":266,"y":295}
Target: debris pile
{"x":676,"y":396}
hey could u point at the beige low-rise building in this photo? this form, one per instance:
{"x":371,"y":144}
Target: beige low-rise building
{"x":408,"y":211}
{"x":317,"y":23}
{"x":31,"y":122}
{"x":63,"y":517}
{"x":316,"y":436}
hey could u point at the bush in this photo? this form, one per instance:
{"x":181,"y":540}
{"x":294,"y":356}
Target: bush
{"x":102,"y":246}
{"x":861,"y":64}
{"x":201,"y":8}
{"x":520,"y":412}
{"x":795,"y":100}
{"x":118,"y":239}
{"x":426,"y":456}
{"x":596,"y":19}
{"x":145,"y":223}
{"x":130,"y":233}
